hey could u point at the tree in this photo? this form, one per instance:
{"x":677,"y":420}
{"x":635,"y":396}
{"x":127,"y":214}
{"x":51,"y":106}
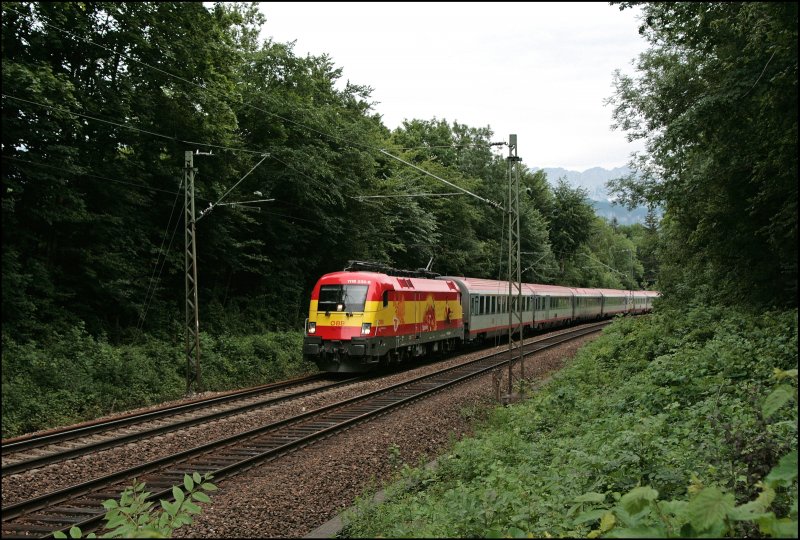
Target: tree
{"x":84,"y":196}
{"x":715,"y":101}
{"x":572,"y":220}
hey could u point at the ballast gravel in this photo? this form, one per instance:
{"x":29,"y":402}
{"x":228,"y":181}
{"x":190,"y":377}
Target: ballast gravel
{"x":293,"y":494}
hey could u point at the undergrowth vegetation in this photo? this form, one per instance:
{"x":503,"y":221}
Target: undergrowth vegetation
{"x":75,"y":377}
{"x":666,"y":425}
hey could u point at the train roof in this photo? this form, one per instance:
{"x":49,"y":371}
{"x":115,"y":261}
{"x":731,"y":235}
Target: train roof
{"x":389,"y":282}
{"x":583,"y":291}
{"x":472,"y":285}
{"x":615,"y":292}
{"x":491,"y":286}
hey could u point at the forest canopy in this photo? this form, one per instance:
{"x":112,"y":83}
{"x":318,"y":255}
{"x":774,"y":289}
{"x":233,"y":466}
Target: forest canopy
{"x":102,"y":100}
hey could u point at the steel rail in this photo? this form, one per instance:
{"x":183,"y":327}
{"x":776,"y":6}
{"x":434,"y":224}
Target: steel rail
{"x":69,"y":435}
{"x":252,"y":447}
{"x":65,"y":433}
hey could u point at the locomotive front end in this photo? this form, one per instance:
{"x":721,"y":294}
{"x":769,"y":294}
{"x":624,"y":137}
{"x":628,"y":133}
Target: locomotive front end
{"x":340,"y":331}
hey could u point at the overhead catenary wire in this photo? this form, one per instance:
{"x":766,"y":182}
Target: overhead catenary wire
{"x":212,"y":205}
{"x":85,"y":174}
{"x":360,"y":197}
{"x":132,"y":128}
{"x":487,"y":201}
{"x":154,"y":279}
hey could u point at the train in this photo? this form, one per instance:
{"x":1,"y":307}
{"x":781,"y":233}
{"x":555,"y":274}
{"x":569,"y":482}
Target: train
{"x":371,"y":316}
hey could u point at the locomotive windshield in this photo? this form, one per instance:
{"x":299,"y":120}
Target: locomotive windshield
{"x":342,"y":297}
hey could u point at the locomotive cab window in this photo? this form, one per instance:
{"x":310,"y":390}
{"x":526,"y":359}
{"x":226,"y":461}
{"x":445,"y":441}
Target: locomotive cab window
{"x":385,"y":298}
{"x":342,"y":297}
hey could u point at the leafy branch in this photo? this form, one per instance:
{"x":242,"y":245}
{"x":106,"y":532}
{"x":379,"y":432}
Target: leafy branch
{"x":135,"y":517}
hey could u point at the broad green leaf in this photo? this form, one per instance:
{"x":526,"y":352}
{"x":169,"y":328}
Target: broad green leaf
{"x":515,"y":532}
{"x":676,"y":508}
{"x":591,"y":497}
{"x":781,"y":374}
{"x":784,"y":472}
{"x":108,"y":504}
{"x":710,"y":507}
{"x":191,"y":507}
{"x":200,"y":496}
{"x":59,"y":534}
{"x":197,"y":478}
{"x":188,"y":483}
{"x":169,"y":507}
{"x":756,"y":508}
{"x":591,"y":515}
{"x":638,"y":499}
{"x":115,"y":522}
{"x":208,"y":486}
{"x":178,"y":494}
{"x":638,"y":532}
{"x":607,"y":522}
{"x":779,"y":528}
{"x":776,"y":400}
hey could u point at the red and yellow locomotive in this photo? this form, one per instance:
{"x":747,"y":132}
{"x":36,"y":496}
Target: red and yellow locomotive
{"x":360,"y":320}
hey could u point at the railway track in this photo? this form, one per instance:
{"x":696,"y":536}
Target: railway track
{"x":81,"y":504}
{"x":25,"y":453}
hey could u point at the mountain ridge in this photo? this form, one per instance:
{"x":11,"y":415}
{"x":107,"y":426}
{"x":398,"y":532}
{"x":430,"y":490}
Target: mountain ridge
{"x":594,"y":180}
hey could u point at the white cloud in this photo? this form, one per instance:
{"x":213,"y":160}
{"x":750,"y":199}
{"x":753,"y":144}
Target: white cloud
{"x":540,"y":70}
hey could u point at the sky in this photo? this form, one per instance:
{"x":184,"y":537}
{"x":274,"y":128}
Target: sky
{"x":538,"y":70}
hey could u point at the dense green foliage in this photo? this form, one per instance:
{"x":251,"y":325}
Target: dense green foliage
{"x":715,"y":100}
{"x":100,"y":102}
{"x":88,"y":377}
{"x":664,"y":401}
{"x":134,"y":516}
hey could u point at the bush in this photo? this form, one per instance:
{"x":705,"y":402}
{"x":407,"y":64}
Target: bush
{"x":670,"y":400}
{"x":75,"y":377}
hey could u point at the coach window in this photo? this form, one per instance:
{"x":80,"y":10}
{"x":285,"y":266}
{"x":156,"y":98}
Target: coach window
{"x":494,"y":304}
{"x":385,"y":298}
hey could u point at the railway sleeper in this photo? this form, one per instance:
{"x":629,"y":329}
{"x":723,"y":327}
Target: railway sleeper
{"x":72,"y":510}
{"x":46,"y":518}
{"x":24,"y":527}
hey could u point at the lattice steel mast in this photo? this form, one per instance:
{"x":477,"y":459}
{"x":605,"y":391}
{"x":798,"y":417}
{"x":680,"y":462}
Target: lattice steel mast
{"x":514,"y":300}
{"x":192,"y":311}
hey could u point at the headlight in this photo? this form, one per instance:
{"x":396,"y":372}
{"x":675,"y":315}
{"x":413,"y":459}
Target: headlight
{"x":365,"y":327}
{"x":312,"y":327}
